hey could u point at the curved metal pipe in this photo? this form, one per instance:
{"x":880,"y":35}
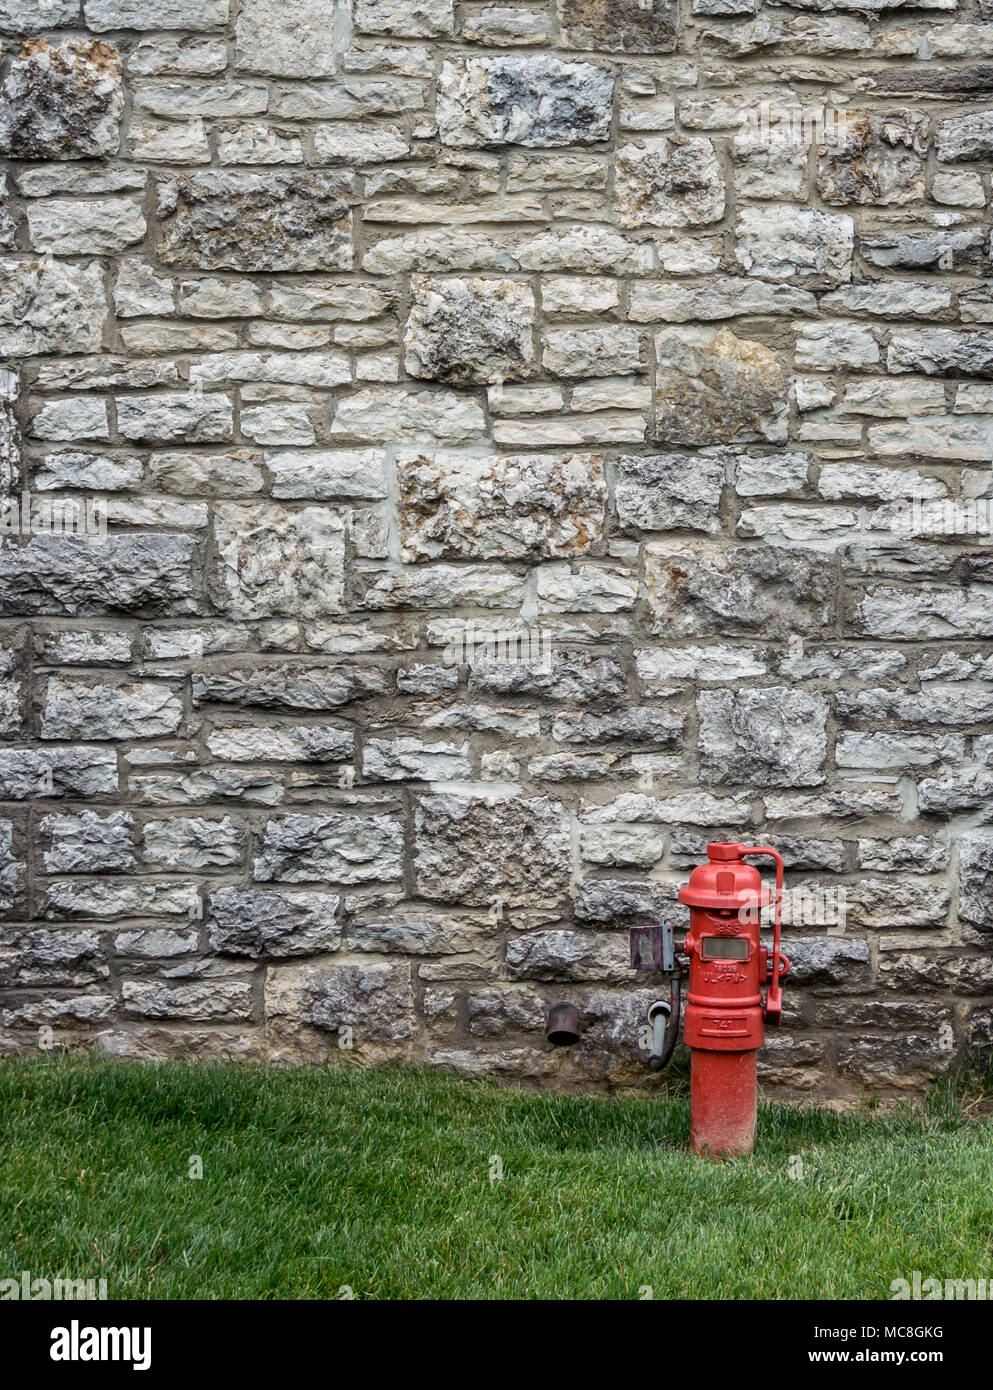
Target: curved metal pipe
{"x":664,"y":1019}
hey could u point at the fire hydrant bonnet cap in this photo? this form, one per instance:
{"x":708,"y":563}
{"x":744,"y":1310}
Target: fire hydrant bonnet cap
{"x":725,"y":883}
{"x":724,"y":849}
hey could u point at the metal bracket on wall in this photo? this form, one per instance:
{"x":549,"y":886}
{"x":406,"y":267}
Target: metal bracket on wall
{"x":652,"y":948}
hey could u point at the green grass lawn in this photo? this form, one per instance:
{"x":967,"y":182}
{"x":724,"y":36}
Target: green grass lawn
{"x":381,"y":1181}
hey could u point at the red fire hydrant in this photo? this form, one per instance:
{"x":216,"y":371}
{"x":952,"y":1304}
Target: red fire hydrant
{"x":725,"y":1015}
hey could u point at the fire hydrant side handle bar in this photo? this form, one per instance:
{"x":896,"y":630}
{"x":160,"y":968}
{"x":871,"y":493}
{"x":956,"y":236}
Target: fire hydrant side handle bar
{"x":774,"y":994}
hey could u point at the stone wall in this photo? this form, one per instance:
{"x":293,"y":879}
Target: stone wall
{"x":490,"y":432}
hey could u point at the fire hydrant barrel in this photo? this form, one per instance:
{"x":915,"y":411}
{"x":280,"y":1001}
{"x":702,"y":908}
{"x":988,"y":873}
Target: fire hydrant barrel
{"x":723,"y":1102}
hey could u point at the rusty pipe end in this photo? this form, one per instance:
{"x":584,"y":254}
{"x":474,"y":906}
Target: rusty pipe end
{"x":562,"y":1026}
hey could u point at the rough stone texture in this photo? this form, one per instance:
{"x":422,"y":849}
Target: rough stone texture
{"x":619,"y":26}
{"x":63,"y":575}
{"x":51,"y":306}
{"x":51,"y":959}
{"x":511,"y":854}
{"x":272,"y":561}
{"x":698,"y":589}
{"x":713,"y":387}
{"x":77,"y":709}
{"x":160,"y":14}
{"x":880,"y":161}
{"x":96,"y":227}
{"x":780,"y":242}
{"x":669,"y":492}
{"x":87,"y":842}
{"x":367,"y":1008}
{"x":769,"y":166}
{"x":458,"y":460}
{"x":966,"y":137}
{"x":773,"y":737}
{"x":8,"y":228}
{"x":539,"y":102}
{"x":668,"y":182}
{"x":10,"y":433}
{"x":410,"y":19}
{"x":340,"y":848}
{"x":262,"y":924}
{"x":469,"y":331}
{"x":62,"y":101}
{"x":255,"y":222}
{"x":193,"y":843}
{"x":477,"y":506}
{"x":976,"y":881}
{"x":78,"y":772}
{"x":270,"y":38}
{"x":394,"y":414}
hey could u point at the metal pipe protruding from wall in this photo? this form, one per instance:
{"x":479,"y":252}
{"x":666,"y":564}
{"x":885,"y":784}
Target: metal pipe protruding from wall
{"x":562,"y":1028}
